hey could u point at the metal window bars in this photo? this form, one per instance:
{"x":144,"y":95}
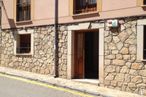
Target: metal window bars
{"x":23,"y":10}
{"x":84,"y":6}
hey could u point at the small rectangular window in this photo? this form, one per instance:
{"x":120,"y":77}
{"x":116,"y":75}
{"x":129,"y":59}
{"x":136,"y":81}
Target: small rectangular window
{"x":144,"y":43}
{"x":84,"y":6}
{"x":23,"y":10}
{"x":24,"y":43}
{"x":144,"y":2}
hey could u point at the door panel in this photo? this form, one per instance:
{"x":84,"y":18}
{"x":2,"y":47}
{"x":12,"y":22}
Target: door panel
{"x":79,"y":55}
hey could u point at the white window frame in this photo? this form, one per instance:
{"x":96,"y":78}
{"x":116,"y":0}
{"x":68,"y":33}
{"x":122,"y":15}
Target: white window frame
{"x":23,"y":32}
{"x":140,"y":34}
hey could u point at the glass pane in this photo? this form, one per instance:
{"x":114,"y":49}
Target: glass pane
{"x":27,"y":1}
{"x":27,"y":17}
{"x":91,"y":1}
{"x":144,"y":54}
{"x":20,"y":13}
{"x":83,"y":6}
{"x":23,"y":10}
{"x":24,"y":43}
{"x":19,"y":1}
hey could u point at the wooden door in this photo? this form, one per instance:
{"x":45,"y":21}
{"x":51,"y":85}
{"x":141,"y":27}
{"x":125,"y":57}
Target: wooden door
{"x":79,"y":55}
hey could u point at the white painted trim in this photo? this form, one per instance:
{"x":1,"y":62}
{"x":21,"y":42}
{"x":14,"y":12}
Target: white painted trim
{"x":14,"y":40}
{"x":85,"y":26}
{"x":140,"y":35}
{"x":141,"y":22}
{"x":140,"y":30}
{"x":70,"y":56}
{"x":101,"y":56}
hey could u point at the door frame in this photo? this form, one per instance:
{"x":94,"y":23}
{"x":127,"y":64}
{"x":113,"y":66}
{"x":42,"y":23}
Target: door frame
{"x":70,"y":53}
{"x":79,"y":53}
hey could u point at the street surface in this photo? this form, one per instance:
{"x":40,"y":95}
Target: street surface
{"x":16,"y":88}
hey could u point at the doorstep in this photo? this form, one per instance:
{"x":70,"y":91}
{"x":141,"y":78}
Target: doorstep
{"x":79,"y":85}
{"x":88,"y":81}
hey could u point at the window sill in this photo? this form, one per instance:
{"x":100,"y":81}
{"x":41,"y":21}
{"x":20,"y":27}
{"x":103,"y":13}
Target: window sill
{"x":144,"y":6}
{"x":144,"y":60}
{"x":91,"y":14}
{"x":23,"y":54}
{"x":23,"y":22}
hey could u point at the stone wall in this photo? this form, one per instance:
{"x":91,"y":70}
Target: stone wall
{"x":122,"y":70}
{"x":42,"y":61}
{"x":62,"y":51}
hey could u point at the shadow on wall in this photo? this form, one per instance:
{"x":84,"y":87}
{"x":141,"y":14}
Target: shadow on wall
{"x":10,"y":21}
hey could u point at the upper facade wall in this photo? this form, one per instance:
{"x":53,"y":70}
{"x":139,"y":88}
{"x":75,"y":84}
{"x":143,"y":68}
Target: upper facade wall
{"x":42,"y":12}
{"x":109,"y":5}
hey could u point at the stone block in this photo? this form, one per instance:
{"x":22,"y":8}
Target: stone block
{"x":133,"y":72}
{"x":119,"y":77}
{"x":107,"y":82}
{"x":126,"y":57}
{"x":144,"y":80}
{"x":108,"y":39}
{"x":107,"y":62}
{"x":131,"y":85}
{"x":116,"y":39}
{"x":110,"y":57}
{"x":132,"y":49}
{"x":115,"y":51}
{"x":142,"y":85}
{"x":118,"y":68}
{"x":127,"y":78}
{"x":123,"y":36}
{"x":118,"y":62}
{"x":112,"y":46}
{"x":124,"y":69}
{"x":119,"y":56}
{"x":110,"y":69}
{"x":136,"y":79}
{"x":142,"y":73}
{"x":114,"y":83}
{"x":110,"y":77}
{"x":136,"y":66}
{"x":124,"y":51}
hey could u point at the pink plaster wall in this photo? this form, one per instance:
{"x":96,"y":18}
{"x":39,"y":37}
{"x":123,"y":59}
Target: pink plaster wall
{"x":44,"y":12}
{"x":117,"y":4}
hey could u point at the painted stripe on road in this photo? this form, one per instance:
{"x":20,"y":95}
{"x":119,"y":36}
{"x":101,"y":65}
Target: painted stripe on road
{"x":46,"y":85}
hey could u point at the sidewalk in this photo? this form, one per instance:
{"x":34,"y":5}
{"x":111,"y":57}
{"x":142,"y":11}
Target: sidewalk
{"x":92,"y":89}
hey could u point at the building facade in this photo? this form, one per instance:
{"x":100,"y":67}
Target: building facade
{"x":97,"y":39}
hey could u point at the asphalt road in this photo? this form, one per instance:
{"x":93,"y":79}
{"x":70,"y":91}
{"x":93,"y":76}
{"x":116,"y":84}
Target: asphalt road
{"x":17,"y":88}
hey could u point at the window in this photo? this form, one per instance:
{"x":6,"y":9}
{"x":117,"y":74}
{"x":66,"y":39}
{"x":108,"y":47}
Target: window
{"x":144,"y":2}
{"x":84,"y":6}
{"x":23,"y":10}
{"x":144,"y":43}
{"x":24,"y":43}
